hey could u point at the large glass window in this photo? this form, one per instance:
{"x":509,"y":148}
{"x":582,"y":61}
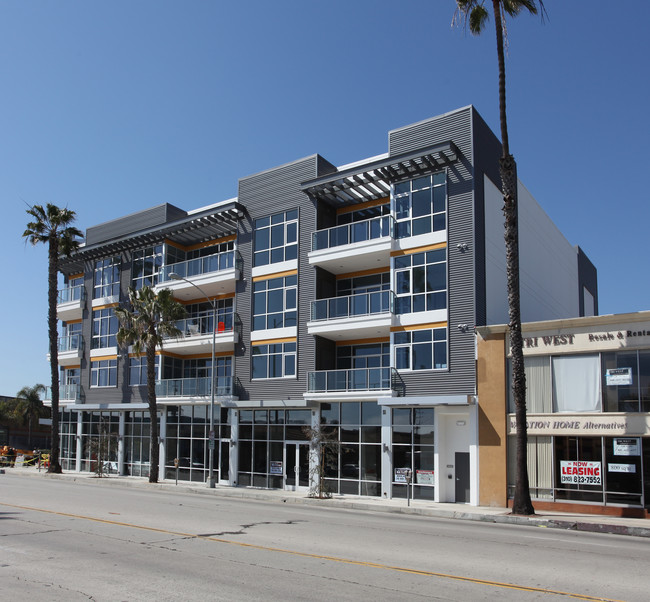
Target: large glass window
{"x":421,"y":205}
{"x":145,"y":266}
{"x":576,"y":383}
{"x":421,"y":349}
{"x":626,"y":381}
{"x":413,"y":448}
{"x":105,"y":327}
{"x":579,"y":469}
{"x":274,"y":303}
{"x":355,"y":468}
{"x":103,"y":373}
{"x":421,"y":281}
{"x":276,"y":238}
{"x":138,"y":370}
{"x":107,"y":277}
{"x":276,"y":360}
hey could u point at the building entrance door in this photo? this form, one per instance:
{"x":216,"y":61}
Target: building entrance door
{"x":462,"y":477}
{"x":296,"y":462}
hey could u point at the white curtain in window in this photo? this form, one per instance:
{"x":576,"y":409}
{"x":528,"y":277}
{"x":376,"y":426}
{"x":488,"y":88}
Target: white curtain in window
{"x":539,"y":396}
{"x":576,"y":383}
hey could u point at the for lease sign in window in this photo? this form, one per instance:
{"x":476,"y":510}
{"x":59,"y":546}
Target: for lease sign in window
{"x":578,"y":472}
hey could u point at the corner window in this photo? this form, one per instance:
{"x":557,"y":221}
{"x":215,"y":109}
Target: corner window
{"x":276,"y":238}
{"x":421,"y":205}
{"x":103,"y":373}
{"x":145,"y":266}
{"x":107,"y":278}
{"x":276,"y":360}
{"x":274,"y":303}
{"x":105,"y":328}
{"x":420,"y":349}
{"x":421,"y":281}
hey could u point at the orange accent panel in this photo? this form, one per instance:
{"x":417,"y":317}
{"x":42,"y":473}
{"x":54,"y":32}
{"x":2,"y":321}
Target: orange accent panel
{"x":440,"y":245}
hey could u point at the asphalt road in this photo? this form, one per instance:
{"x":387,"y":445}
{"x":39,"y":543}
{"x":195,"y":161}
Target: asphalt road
{"x":63,"y":540}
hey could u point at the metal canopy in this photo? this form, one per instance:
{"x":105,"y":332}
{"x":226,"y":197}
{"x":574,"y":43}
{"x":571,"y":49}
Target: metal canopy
{"x":195,"y":228}
{"x":372,"y":180}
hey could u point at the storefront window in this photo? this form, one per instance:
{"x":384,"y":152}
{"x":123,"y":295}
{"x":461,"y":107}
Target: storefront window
{"x":413,"y":448}
{"x":579,"y":469}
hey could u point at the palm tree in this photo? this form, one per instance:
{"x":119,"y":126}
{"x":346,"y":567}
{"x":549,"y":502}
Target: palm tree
{"x":143,"y":324}
{"x":476,"y":16}
{"x":30,"y":406}
{"x":51,"y":225}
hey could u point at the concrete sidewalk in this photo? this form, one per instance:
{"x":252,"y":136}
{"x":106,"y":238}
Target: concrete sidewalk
{"x":594,"y":523}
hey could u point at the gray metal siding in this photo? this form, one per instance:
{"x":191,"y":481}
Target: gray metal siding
{"x":135,"y":222}
{"x":460,"y":378}
{"x":263,"y":194}
{"x":587,"y":278}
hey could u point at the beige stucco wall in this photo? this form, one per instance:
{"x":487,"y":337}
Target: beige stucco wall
{"x":491,"y":372}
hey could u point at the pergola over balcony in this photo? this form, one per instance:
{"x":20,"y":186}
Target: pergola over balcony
{"x":372,"y":181}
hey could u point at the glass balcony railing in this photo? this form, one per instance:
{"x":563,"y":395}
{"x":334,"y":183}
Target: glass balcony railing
{"x":66,"y":393}
{"x":363,"y":304}
{"x":202,"y":265}
{"x":192,"y":327}
{"x":370,"y":229}
{"x":72,"y":342}
{"x":356,"y":379}
{"x":193,"y":387}
{"x":69,"y":294}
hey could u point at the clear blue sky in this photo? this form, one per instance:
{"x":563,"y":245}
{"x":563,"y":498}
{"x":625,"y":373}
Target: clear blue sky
{"x":113,"y":107}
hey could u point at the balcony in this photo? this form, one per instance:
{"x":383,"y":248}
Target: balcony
{"x":70,"y":350}
{"x":355,"y":381}
{"x":353,"y":247}
{"x":174,"y":389}
{"x":196,"y":335}
{"x":67,"y":394}
{"x":357,"y":316}
{"x":216,"y":275}
{"x":70,"y":303}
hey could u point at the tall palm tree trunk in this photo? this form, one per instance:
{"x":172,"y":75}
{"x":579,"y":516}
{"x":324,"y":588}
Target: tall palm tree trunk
{"x":154,"y":448}
{"x":522,"y":503}
{"x":53,"y":333}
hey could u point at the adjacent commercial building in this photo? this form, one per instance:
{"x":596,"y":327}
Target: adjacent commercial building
{"x":344,"y":296}
{"x":588,"y":420}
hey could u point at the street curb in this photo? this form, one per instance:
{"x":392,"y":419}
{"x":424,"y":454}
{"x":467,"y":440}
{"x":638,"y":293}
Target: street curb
{"x":567,"y":524}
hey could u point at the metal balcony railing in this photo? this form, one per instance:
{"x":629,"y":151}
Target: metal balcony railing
{"x":202,"y":265}
{"x":72,"y":342}
{"x":72,"y":293}
{"x":194,"y":387}
{"x":363,"y":304}
{"x":370,"y":229}
{"x":356,"y":379}
{"x":66,"y":393}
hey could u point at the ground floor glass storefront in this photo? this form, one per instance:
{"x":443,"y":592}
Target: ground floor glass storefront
{"x":593,"y":470}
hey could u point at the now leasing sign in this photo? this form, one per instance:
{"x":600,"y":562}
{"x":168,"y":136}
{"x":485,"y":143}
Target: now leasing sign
{"x":577,"y":472}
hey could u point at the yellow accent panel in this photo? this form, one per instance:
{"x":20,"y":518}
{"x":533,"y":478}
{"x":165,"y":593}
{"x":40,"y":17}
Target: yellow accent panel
{"x":100,"y":358}
{"x":98,"y":307}
{"x":274,"y":341}
{"x":74,"y":321}
{"x":276,"y":275}
{"x":363,"y":273}
{"x":440,"y":245}
{"x":418,"y":327}
{"x":195,"y":356}
{"x":350,"y":208}
{"x":363,"y":341}
{"x":201,"y":300}
{"x":75,"y":367}
{"x":210,"y":243}
{"x":200,"y":245}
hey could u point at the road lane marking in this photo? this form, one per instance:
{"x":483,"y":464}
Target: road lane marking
{"x":522,"y":588}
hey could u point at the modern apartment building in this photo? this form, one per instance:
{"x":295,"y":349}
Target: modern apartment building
{"x":345,"y":297}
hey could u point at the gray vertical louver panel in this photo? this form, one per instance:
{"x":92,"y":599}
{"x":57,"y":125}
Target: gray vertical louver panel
{"x":263,"y":194}
{"x":460,"y":378}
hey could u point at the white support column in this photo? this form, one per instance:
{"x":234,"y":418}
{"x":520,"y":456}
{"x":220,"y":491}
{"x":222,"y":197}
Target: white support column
{"x":79,"y":441}
{"x":162,"y":443}
{"x":386,"y":454}
{"x":121,"y":444}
